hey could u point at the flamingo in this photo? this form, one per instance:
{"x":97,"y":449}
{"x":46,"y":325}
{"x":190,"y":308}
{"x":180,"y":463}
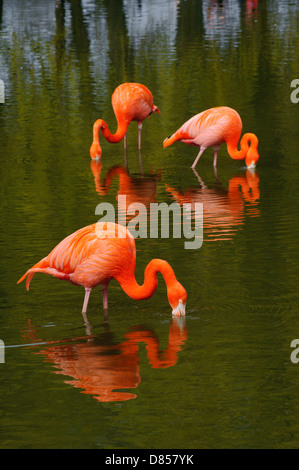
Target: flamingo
{"x":95,"y":254}
{"x":130,"y":102}
{"x":213,"y":127}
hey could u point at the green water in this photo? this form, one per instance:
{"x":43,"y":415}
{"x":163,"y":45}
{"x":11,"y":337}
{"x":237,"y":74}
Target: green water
{"x":224,"y":378}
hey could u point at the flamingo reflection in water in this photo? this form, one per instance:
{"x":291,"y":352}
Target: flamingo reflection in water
{"x":142,"y":188}
{"x":138,"y":189}
{"x":104,"y":369}
{"x":224,"y":210}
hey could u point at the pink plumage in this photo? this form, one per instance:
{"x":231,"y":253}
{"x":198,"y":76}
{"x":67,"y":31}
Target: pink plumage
{"x":213,"y":127}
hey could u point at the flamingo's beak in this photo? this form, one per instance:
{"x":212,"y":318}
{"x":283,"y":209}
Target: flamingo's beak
{"x":166,"y":142}
{"x":251,"y":166}
{"x":179,"y":310}
{"x":95,"y":151}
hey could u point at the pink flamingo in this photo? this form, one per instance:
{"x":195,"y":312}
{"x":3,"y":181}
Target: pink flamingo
{"x":97,"y":253}
{"x":213,"y":127}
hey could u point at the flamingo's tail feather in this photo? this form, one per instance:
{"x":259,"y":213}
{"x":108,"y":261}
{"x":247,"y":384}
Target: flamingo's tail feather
{"x":30,"y":273}
{"x":27,"y":280}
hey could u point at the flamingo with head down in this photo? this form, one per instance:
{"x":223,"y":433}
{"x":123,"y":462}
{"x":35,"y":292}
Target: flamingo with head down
{"x":213,"y":127}
{"x":130,"y":102}
{"x":100,"y":252}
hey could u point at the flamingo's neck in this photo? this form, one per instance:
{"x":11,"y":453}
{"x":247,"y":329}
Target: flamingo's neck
{"x":100,"y":124}
{"x":178,"y":135}
{"x":147,"y":289}
{"x":245,"y":148}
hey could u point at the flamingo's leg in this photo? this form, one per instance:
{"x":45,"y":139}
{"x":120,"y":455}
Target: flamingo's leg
{"x":216,"y":148}
{"x":86,"y":299}
{"x":139,"y":134}
{"x":105,"y":298}
{"x":198,"y":157}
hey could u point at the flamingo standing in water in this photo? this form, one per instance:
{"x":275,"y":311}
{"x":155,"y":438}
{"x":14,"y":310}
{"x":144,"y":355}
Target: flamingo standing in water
{"x":213,"y":127}
{"x":97,"y":253}
{"x":130,"y":102}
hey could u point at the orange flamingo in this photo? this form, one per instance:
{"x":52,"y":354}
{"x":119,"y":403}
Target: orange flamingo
{"x":97,"y":253}
{"x":130,"y":102}
{"x":213,"y":127}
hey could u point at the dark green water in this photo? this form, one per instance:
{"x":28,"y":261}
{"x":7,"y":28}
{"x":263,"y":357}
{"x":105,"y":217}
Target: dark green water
{"x":225,"y":378}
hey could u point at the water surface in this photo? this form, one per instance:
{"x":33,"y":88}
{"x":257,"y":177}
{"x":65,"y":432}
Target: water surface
{"x":223,"y":378}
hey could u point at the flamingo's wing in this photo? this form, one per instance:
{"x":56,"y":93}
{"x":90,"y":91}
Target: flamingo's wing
{"x":74,"y":252}
{"x":111,"y":258}
{"x":206,"y":129}
{"x":64,"y":258}
{"x":132,"y":102}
